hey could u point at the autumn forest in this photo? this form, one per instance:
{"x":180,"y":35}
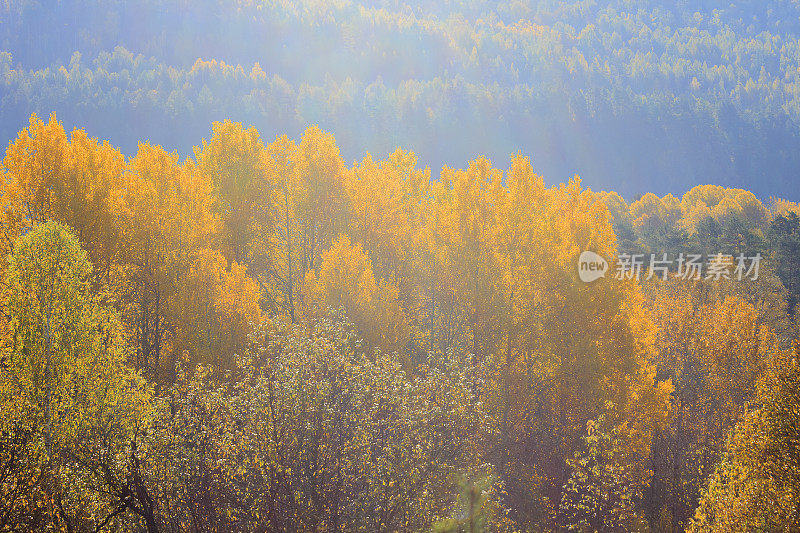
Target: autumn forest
{"x":262,"y":338}
{"x":463,"y":268}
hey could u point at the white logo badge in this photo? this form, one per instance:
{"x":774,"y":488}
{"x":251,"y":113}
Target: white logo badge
{"x":591,"y":266}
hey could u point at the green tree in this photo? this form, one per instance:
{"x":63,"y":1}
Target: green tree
{"x":785,"y":237}
{"x":476,"y":509}
{"x":599,"y":494}
{"x":70,"y":411}
{"x":756,"y":486}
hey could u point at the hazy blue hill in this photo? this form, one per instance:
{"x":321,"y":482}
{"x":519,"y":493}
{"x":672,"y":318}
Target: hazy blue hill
{"x":634,"y":96}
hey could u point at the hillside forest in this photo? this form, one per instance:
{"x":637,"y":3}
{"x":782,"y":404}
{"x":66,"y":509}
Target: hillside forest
{"x":635,"y":96}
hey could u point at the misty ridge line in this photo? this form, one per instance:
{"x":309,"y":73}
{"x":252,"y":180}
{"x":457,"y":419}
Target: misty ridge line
{"x":634,"y":98}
